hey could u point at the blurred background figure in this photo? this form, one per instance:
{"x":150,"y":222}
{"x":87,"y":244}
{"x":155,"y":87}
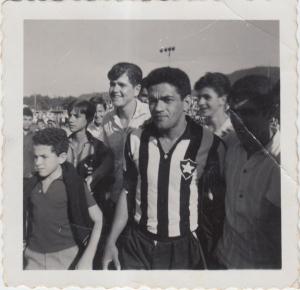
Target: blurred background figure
{"x":27,"y":143}
{"x":51,"y":124}
{"x":211,"y":91}
{"x":40,"y":125}
{"x":143,"y":95}
{"x":95,"y":127}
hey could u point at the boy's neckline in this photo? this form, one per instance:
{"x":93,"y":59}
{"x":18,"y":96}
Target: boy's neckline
{"x":46,"y":182}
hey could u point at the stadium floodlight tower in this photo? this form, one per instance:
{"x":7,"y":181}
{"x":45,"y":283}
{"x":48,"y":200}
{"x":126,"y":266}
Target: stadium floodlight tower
{"x":167,"y":50}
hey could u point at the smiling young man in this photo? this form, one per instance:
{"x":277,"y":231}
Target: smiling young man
{"x":172,"y":177}
{"x":212,"y":90}
{"x":252,"y":230}
{"x":129,"y":113}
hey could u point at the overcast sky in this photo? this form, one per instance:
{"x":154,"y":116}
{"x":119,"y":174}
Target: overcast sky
{"x":73,"y":57}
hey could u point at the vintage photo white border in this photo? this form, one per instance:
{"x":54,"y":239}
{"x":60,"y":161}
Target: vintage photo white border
{"x":14,"y":14}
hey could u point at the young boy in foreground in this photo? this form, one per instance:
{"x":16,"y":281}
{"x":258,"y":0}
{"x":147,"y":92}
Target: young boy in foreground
{"x":65,"y":222}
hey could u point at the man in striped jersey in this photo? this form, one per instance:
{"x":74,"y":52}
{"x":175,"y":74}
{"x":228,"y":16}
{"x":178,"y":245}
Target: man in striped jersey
{"x":173,"y":188}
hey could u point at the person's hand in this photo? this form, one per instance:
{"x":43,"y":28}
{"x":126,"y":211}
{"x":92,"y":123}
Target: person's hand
{"x":111,"y":255}
{"x":84,"y":264}
{"x":89,"y":169}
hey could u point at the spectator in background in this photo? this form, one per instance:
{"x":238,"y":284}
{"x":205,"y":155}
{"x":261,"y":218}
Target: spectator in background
{"x":212,"y":90}
{"x":28,"y":164}
{"x":252,"y":230}
{"x":92,"y":159}
{"x":143,"y":95}
{"x":125,"y":85}
{"x":51,"y":124}
{"x":40,"y":125}
{"x":95,"y":127}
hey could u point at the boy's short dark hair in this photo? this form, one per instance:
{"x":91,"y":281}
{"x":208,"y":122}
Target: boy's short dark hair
{"x":173,"y":76}
{"x":134,"y":72}
{"x":27,"y":112}
{"x":83,"y":107}
{"x":256,"y":88}
{"x":98,"y":100}
{"x":217,"y":81}
{"x":55,"y":137}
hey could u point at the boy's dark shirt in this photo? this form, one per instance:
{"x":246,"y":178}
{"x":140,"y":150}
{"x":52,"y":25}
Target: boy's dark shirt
{"x":50,"y":228}
{"x":103,"y":164}
{"x":78,"y":214}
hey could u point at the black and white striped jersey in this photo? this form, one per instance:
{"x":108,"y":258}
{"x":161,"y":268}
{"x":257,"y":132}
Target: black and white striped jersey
{"x":164,"y":189}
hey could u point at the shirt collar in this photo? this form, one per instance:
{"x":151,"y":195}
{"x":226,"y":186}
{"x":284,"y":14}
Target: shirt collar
{"x":139,"y":110}
{"x":71,"y":137}
{"x":272,"y":147}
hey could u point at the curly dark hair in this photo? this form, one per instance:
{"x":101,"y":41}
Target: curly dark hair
{"x":55,"y":137}
{"x":134,"y":72}
{"x":217,"y":81}
{"x":173,"y":76}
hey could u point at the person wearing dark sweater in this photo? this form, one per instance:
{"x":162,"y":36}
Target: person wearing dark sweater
{"x":92,"y":159}
{"x":64,"y":223}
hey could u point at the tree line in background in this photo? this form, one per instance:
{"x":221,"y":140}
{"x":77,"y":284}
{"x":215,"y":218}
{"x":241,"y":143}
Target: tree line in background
{"x":45,"y":103}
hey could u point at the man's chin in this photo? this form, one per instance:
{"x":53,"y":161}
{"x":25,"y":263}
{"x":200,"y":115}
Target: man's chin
{"x":42,"y":174}
{"x":161,"y":126}
{"x":117,"y":102}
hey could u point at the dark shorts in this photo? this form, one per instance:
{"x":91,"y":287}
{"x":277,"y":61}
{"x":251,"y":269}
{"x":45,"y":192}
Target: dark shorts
{"x":139,"y":251}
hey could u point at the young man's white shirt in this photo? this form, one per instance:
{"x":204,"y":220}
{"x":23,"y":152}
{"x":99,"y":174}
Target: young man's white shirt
{"x":114,"y":137}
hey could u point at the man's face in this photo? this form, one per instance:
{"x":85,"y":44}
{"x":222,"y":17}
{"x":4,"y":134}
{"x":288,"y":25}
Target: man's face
{"x":27,"y":121}
{"x":210,"y":102}
{"x":100,"y":112}
{"x":249,"y":122}
{"x":122,"y":92}
{"x":77,"y":121}
{"x":41,"y":126}
{"x":46,"y":160}
{"x":166,"y":106}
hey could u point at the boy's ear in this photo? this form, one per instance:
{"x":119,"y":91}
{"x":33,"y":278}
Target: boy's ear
{"x":62,"y":157}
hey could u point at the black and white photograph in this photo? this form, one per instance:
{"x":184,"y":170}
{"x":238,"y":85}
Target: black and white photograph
{"x":151,"y":145}
{"x":154,"y":144}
